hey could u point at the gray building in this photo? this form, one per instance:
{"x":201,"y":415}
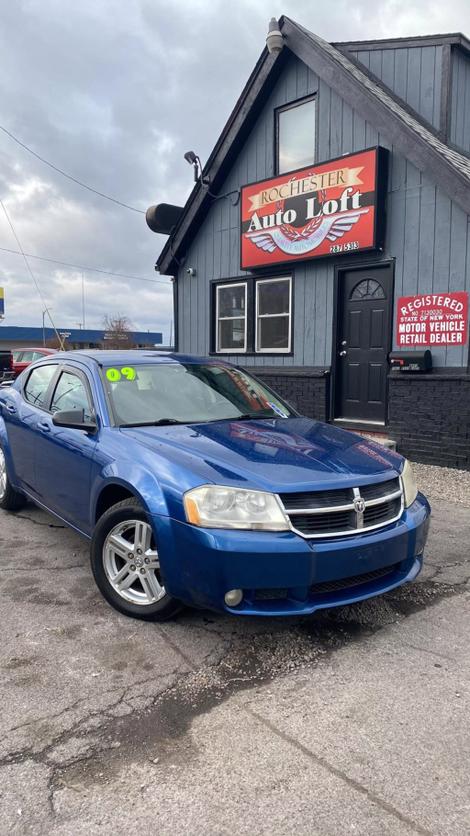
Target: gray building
{"x":331,"y":227}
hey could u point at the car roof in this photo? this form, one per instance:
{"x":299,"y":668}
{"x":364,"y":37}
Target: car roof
{"x":36,"y":348}
{"x":110,"y":357}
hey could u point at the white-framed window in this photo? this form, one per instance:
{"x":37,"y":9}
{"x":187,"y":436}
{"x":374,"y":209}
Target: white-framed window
{"x":273,"y":315}
{"x":295,"y":135}
{"x":231,"y":322}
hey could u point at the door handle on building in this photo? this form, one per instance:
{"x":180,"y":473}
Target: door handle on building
{"x":343,"y":353}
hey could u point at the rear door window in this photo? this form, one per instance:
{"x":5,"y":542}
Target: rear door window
{"x":37,"y":384}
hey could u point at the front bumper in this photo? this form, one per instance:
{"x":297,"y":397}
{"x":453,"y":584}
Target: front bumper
{"x":284,"y":574}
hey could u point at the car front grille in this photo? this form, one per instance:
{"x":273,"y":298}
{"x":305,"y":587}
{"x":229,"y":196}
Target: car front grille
{"x":334,"y":513}
{"x":326,"y":587}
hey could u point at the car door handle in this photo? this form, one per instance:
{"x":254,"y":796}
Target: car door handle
{"x":44,"y":426}
{"x":10,"y":408}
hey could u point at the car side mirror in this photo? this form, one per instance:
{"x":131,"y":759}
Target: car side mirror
{"x":74,"y":419}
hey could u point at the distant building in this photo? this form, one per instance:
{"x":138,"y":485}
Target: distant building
{"x":15,"y":336}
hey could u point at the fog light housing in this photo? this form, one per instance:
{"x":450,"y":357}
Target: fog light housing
{"x":233,"y":597}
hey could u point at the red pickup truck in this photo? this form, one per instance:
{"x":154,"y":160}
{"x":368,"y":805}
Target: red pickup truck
{"x":22,"y":357}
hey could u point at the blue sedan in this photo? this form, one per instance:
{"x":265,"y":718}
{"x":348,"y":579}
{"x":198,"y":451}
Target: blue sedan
{"x":196,"y":484}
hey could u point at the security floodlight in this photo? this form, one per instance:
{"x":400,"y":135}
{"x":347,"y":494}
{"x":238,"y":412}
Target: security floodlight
{"x":195,"y":161}
{"x":274,"y":38}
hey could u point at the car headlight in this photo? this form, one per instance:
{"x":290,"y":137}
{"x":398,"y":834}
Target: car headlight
{"x":215,"y":506}
{"x":410,"y":487}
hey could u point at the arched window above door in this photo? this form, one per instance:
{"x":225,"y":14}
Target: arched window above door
{"x":367,"y":289}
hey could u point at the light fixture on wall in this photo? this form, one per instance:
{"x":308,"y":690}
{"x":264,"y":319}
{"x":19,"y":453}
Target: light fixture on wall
{"x":274,"y":38}
{"x":195,"y":161}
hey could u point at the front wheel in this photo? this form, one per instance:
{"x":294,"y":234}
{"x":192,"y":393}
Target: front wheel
{"x":10,"y":500}
{"x":126,"y":565}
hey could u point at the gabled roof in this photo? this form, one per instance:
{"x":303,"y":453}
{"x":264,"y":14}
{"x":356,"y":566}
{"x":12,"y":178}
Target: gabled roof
{"x":404,"y":129}
{"x":451,"y":39}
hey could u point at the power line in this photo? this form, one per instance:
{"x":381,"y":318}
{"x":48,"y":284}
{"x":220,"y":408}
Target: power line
{"x":69,"y":176}
{"x":36,"y":283}
{"x":82,"y":267}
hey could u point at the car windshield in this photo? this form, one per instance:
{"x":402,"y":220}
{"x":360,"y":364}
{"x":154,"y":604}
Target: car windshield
{"x":160,"y":393}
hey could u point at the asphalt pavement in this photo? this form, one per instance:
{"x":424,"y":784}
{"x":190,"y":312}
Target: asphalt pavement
{"x":355,"y":721}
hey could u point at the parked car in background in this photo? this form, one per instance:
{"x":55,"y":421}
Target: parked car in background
{"x":6,"y":365}
{"x":22,"y":357}
{"x":197,"y":484}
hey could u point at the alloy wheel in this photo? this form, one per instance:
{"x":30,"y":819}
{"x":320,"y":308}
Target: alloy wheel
{"x":131,"y":563}
{"x":3,"y":474}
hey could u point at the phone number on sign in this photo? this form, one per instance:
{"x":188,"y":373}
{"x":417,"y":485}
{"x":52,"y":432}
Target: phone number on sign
{"x":345,"y":248}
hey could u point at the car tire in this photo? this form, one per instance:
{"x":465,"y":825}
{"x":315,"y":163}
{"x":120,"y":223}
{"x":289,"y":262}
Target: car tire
{"x":125,"y":564}
{"x":10,"y":499}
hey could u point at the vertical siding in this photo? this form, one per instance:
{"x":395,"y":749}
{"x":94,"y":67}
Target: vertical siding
{"x":414,"y":74}
{"x":426,"y":232}
{"x":460,"y":100}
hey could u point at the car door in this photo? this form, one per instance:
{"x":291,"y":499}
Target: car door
{"x":64,"y":456}
{"x":22,"y":411}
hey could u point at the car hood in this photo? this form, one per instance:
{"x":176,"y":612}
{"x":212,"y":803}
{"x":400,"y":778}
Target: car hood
{"x":274,"y":454}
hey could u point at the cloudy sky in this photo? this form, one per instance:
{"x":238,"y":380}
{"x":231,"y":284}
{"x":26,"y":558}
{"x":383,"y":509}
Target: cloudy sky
{"x":114,"y":93}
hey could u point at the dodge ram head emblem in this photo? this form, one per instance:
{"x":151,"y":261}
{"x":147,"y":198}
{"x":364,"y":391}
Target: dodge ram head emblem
{"x":359,"y":505}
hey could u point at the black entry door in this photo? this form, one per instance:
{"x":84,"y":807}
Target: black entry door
{"x":364,"y":336}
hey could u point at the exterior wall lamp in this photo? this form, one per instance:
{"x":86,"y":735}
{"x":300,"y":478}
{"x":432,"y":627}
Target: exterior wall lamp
{"x":195,"y":161}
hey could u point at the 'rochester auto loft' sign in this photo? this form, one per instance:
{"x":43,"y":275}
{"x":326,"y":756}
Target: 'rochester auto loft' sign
{"x":335,"y":207}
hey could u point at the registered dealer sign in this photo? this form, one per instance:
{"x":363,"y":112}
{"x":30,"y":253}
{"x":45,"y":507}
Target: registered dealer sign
{"x":432,"y":319}
{"x":325,"y":210}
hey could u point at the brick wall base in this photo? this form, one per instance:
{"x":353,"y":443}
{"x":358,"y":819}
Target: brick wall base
{"x":308,"y":390}
{"x":429,"y":418}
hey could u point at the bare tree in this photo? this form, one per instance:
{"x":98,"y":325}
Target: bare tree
{"x":118,"y":331}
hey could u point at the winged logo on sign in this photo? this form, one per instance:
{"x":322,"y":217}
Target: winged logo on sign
{"x":300,"y":241}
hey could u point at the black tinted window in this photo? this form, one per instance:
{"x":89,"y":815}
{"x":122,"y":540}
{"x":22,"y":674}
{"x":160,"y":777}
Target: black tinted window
{"x":37,"y":384}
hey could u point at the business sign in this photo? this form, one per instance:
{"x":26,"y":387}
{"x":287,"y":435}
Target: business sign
{"x":432,"y":319}
{"x":2,"y":303}
{"x":115,"y":335}
{"x":328,"y":209}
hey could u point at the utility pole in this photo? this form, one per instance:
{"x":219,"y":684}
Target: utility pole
{"x":83,"y":300}
{"x":45,"y":311}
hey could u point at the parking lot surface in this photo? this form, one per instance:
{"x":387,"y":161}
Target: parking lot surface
{"x":353,"y":721}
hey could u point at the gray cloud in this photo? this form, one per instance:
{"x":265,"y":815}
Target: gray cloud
{"x":114,"y":93}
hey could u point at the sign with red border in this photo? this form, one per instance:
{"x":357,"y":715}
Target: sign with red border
{"x":328,"y":209}
{"x":432,"y":319}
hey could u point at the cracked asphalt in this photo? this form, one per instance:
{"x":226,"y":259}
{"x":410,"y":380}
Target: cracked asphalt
{"x":355,"y":721}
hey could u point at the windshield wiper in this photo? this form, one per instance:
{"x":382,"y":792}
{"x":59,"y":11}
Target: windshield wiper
{"x":160,"y":422}
{"x":248,"y":416}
